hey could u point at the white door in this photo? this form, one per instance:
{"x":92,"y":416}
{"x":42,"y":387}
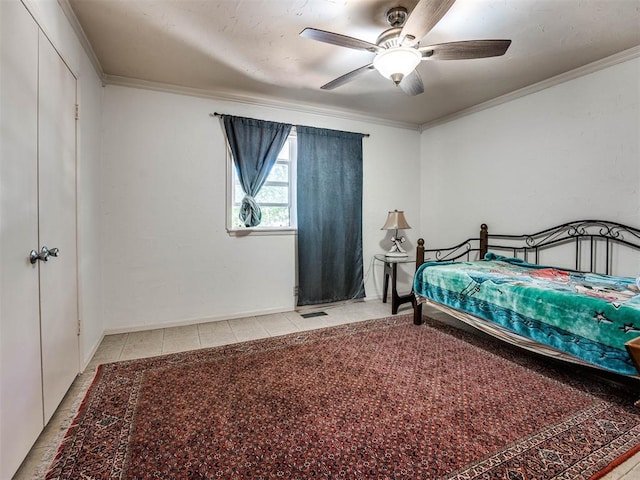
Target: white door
{"x":20,"y":370}
{"x":57,"y":224}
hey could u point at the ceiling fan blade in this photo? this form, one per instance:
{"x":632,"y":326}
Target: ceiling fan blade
{"x":347,"y":77}
{"x":423,"y":18}
{"x":339,"y":40}
{"x":412,"y":84}
{"x":465,"y":50}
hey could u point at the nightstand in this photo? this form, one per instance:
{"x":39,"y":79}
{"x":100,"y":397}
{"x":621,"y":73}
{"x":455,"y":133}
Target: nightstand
{"x":391,"y":270}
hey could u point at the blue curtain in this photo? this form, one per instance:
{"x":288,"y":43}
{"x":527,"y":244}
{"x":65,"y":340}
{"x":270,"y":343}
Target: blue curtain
{"x":329,"y":193}
{"x":255,"y":145}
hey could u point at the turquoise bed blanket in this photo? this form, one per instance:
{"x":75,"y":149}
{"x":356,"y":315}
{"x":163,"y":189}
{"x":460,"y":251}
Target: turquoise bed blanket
{"x":587,"y":315}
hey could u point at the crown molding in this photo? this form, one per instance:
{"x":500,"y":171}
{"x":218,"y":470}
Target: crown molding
{"x":228,"y":96}
{"x":82,"y":37}
{"x":257,"y":101}
{"x":607,"y":62}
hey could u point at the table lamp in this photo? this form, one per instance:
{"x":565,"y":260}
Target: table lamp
{"x":395,"y":221}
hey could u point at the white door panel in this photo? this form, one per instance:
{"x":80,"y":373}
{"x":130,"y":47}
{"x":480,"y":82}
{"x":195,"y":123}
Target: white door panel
{"x":21,"y":410}
{"x":57,"y":220}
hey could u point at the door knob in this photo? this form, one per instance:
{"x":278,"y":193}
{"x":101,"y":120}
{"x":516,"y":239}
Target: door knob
{"x":44,"y":254}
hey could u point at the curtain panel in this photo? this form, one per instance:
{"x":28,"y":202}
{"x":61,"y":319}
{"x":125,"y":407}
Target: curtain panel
{"x":329,"y":191}
{"x":255,"y":145}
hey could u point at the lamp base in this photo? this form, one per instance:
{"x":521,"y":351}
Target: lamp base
{"x":396,"y":254}
{"x":396,"y":249}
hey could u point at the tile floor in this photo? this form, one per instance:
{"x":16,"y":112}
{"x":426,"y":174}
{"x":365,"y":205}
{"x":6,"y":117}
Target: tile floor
{"x":176,"y":339}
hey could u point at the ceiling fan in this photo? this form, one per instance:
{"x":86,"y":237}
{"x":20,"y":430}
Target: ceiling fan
{"x":398,"y":50}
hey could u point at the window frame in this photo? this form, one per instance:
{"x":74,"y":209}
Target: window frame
{"x":234,"y":230}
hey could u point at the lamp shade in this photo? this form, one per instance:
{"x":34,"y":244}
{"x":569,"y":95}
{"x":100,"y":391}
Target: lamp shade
{"x":397,"y":63}
{"x":395,"y":221}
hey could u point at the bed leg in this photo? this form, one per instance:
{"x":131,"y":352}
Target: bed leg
{"x":417,"y":313}
{"x":417,"y":307}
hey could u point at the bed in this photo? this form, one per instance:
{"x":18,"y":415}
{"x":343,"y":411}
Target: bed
{"x":555,"y":292}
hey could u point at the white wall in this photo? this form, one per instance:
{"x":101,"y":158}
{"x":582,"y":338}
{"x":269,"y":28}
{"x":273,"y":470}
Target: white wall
{"x":55,"y":25}
{"x":565,"y":153}
{"x":168,"y":258}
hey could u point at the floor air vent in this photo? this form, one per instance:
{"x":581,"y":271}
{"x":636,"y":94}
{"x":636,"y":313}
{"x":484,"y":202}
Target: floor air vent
{"x":312,"y":314}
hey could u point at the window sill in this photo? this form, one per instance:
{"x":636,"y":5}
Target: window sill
{"x":245,"y":232}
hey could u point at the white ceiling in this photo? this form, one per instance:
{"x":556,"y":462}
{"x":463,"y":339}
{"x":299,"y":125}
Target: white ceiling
{"x":252,"y":48}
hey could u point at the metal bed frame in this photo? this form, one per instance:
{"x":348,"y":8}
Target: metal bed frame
{"x":596,"y":249}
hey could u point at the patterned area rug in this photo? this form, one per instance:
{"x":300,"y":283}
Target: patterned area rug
{"x":381,"y":399}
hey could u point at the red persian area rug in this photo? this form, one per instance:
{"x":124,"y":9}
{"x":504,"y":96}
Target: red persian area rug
{"x":380,"y":399}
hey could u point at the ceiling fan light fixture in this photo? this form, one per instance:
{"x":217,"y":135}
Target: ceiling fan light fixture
{"x":396,"y":63}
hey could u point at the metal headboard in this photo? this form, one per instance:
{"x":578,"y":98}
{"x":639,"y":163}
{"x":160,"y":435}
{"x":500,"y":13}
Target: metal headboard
{"x":593,"y":239}
{"x":464,"y":250}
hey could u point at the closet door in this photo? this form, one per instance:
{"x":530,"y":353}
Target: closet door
{"x":20,"y":375}
{"x":57,"y":225}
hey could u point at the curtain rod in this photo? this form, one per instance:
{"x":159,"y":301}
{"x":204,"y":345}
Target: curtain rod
{"x":216,"y":114}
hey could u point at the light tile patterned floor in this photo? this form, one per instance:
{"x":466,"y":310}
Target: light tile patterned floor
{"x":176,"y":339}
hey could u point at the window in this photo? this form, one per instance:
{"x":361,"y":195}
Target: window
{"x":276,"y":197}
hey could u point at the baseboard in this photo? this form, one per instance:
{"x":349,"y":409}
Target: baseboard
{"x":222,"y":317}
{"x":326,"y":306}
{"x":85,"y":361}
{"x":195,"y":321}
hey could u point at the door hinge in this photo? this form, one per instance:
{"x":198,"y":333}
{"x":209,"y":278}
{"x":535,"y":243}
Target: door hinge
{"x":77,"y":116}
